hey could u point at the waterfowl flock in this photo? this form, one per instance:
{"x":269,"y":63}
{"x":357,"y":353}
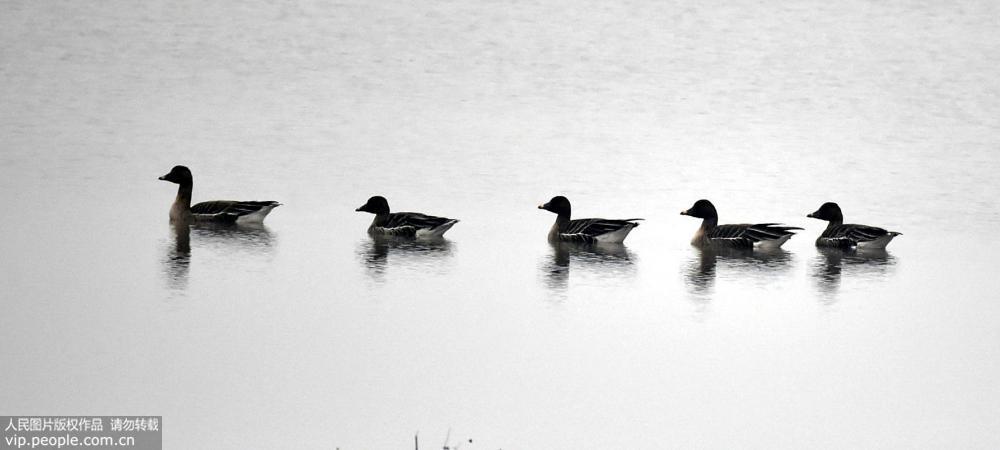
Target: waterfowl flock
{"x":710,"y":234}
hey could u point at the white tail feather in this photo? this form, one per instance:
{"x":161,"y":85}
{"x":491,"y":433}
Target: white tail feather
{"x":878,"y":243}
{"x":614,"y":237}
{"x":772,"y":243}
{"x":437,"y":231}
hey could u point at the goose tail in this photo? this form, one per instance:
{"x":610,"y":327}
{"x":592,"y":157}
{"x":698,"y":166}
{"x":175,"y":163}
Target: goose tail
{"x":437,"y":231}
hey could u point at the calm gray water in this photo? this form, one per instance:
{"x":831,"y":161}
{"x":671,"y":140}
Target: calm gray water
{"x":308,"y":334}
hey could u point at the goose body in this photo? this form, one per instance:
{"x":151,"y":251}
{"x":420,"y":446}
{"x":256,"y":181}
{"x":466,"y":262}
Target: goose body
{"x":840,"y":235}
{"x":216,"y":211}
{"x":746,"y":236}
{"x":590,"y":231}
{"x":404,"y":224}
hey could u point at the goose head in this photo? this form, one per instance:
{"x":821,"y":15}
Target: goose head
{"x":702,"y":209}
{"x":829,"y":211}
{"x":559,"y":205}
{"x":178,"y":175}
{"x":377,"y":205}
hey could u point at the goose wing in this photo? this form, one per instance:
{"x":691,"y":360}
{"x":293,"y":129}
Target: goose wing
{"x":407,"y":223}
{"x":730,"y":236}
{"x":853,"y":233}
{"x":585,"y":230}
{"x":416,"y":220}
{"x":744,"y":235}
{"x":230,"y":210}
{"x":769,"y":231}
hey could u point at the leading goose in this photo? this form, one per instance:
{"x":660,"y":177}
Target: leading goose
{"x":407,"y":224}
{"x":585,"y":230}
{"x":711,"y":234}
{"x":218,"y":211}
{"x":840,"y":235}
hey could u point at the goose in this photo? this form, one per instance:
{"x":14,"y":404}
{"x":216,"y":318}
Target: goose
{"x":840,"y":235}
{"x":218,"y":211}
{"x":711,"y":234}
{"x":406,"y":224}
{"x":585,"y":230}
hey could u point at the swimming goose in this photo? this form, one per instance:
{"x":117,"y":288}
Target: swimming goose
{"x":218,"y":211}
{"x":405,"y":224}
{"x":840,"y":235}
{"x":585,"y":230}
{"x":711,"y":234}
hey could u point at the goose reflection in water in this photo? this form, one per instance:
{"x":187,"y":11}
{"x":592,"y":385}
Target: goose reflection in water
{"x":702,"y":269}
{"x":376,"y":252}
{"x":605,"y":260}
{"x":832,"y":263}
{"x":255,"y":239}
{"x":178,"y":259}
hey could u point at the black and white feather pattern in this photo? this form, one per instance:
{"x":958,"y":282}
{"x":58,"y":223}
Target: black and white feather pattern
{"x":409,"y":224}
{"x":852,"y":235}
{"x":231,"y":211}
{"x":747,"y":235}
{"x":595,"y":230}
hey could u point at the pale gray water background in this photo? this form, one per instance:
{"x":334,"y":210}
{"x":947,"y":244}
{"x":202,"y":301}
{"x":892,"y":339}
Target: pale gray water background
{"x":307,"y":334}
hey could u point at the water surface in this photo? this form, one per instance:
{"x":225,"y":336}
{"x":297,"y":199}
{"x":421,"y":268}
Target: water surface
{"x":308,"y":331}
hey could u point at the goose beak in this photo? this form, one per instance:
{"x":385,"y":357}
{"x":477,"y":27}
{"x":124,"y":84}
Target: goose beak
{"x":543,"y":206}
{"x":162,"y":178}
{"x":684,"y":213}
{"x":360,"y":208}
{"x":810,"y":215}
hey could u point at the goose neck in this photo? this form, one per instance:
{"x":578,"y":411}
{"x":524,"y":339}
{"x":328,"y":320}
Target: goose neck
{"x":184,"y":194}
